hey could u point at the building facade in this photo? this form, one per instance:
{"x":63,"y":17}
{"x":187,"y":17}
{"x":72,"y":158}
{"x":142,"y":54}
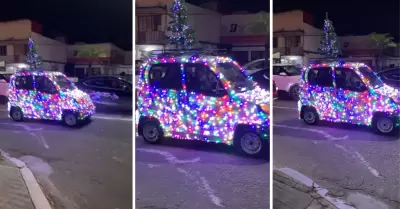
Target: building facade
{"x":295,"y":39}
{"x":152,"y":20}
{"x":14,"y":38}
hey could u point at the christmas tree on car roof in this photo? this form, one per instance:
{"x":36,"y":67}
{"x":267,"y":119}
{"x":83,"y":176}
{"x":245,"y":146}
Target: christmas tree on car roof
{"x":33,"y":59}
{"x":329,"y":45}
{"x":182,"y":36}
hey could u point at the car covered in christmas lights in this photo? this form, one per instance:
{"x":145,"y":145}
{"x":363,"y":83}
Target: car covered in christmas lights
{"x":48,"y":96}
{"x":206,"y":98}
{"x":348,"y":93}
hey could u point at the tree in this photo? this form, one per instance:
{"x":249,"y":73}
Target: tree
{"x":382,"y":41}
{"x":181,"y":34}
{"x":329,"y":46}
{"x":261,"y":26}
{"x":34,"y":60}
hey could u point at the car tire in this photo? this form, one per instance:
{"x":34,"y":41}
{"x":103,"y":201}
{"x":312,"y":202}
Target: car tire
{"x":151,"y":132}
{"x":310,"y":116}
{"x":16,"y":114}
{"x":294,"y":92}
{"x":70,"y":119}
{"x":250,"y":144}
{"x":383,"y":124}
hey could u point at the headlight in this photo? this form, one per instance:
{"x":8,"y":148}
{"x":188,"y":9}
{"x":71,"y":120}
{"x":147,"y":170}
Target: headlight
{"x":264,"y":108}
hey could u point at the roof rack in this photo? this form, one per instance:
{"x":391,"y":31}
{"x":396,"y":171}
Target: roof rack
{"x":189,"y":52}
{"x":339,"y":59}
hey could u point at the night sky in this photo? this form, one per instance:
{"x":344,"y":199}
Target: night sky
{"x":350,"y":17}
{"x":90,"y":21}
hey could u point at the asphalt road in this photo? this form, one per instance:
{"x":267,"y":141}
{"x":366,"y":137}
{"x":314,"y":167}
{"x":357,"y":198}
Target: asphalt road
{"x":194,"y":175}
{"x":89,"y":167}
{"x":347,"y":159}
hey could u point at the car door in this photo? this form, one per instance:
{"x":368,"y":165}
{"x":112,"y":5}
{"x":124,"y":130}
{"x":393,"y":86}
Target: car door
{"x":123,"y":91}
{"x":46,"y":101}
{"x":205,"y":102}
{"x":352,"y":96}
{"x":320,"y":93}
{"x":23,"y":95}
{"x":163,"y":98}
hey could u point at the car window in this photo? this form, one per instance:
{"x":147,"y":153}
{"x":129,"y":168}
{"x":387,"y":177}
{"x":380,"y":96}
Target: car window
{"x":288,"y":70}
{"x":262,"y":78}
{"x":165,"y":76}
{"x":200,"y":79}
{"x":347,"y":79}
{"x":320,"y":77}
{"x":24,"y":82}
{"x":63,"y":82}
{"x":96,"y":82}
{"x":44,"y":84}
{"x":374,"y":80}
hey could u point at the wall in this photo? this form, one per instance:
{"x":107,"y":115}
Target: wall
{"x":15,"y":29}
{"x":128,"y":58}
{"x":53,"y":53}
{"x":80,"y":50}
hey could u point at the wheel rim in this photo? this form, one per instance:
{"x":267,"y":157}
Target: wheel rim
{"x":385,"y":125}
{"x":70,"y":119}
{"x":309,"y":117}
{"x":295,"y":92}
{"x":150,"y":133}
{"x":17,"y":115}
{"x":251,"y":143}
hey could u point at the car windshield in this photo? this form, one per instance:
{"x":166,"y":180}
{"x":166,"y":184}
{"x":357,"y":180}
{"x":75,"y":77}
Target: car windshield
{"x":292,"y":70}
{"x":234,"y":74}
{"x":63,"y":82}
{"x":374,"y":80}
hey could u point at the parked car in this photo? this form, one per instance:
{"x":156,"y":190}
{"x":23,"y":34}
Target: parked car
{"x":348,"y":93}
{"x":49,"y":96}
{"x":4,"y":83}
{"x":109,"y":93}
{"x":391,"y":77}
{"x":285,"y":76}
{"x":208,"y":98}
{"x":261,"y":77}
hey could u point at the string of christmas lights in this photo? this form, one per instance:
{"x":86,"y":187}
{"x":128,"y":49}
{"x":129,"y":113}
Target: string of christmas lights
{"x":182,"y":35}
{"x":329,"y":46}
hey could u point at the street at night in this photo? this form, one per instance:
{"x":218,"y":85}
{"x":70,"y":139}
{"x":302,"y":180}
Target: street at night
{"x":87,"y":167}
{"x":352,"y":162}
{"x":183,"y":174}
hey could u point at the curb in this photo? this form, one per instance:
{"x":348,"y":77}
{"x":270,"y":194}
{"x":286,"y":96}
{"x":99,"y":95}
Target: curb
{"x":309,"y":183}
{"x":38,"y":198}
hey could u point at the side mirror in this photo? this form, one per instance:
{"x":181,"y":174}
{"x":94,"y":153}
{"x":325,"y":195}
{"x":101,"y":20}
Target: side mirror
{"x":282,"y":74}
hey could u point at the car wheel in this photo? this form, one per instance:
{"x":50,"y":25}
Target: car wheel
{"x":70,"y":119}
{"x":310,"y":116}
{"x":384,"y":125}
{"x":295,"y":92}
{"x":151,"y":132}
{"x":16,"y":114}
{"x":250,"y":144}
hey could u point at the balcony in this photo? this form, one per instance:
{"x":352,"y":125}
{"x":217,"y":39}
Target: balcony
{"x":13,"y":58}
{"x":151,"y":37}
{"x":294,"y":51}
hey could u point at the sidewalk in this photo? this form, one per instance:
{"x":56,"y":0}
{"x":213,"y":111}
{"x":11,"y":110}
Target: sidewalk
{"x":19,"y":188}
{"x":296,"y":193}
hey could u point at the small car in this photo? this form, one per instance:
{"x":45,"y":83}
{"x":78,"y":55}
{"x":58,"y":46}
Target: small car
{"x":49,"y":96}
{"x":4,"y":83}
{"x":348,"y":92}
{"x":109,"y":93}
{"x":201,"y":97}
{"x":391,"y":77}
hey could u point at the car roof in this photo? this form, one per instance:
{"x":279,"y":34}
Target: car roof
{"x":344,"y":64}
{"x":33,"y":72}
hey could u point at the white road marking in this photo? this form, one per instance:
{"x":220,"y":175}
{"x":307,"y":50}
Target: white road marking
{"x":323,"y":133}
{"x":153,"y":165}
{"x":282,"y":107}
{"x":168,"y":156}
{"x":104,"y":117}
{"x":360,"y":158}
{"x":202,"y":184}
{"x":33,"y":132}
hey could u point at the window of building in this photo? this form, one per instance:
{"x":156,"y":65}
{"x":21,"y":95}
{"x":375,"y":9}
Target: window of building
{"x":3,"y":50}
